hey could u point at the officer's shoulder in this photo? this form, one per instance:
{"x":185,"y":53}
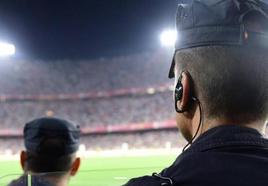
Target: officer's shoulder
{"x":154,"y":180}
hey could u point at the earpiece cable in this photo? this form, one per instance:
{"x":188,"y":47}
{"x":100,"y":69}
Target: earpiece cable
{"x":199,"y":125}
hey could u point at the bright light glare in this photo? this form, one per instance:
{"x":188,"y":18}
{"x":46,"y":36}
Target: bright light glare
{"x":168,"y":38}
{"x":6,"y":49}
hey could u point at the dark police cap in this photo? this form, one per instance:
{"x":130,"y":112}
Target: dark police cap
{"x":218,"y":22}
{"x":63,"y":134}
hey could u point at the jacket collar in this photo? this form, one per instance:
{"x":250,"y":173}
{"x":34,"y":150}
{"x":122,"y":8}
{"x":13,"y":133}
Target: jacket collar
{"x":228,"y":135}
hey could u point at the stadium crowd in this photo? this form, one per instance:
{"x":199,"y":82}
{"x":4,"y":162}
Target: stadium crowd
{"x":75,"y":77}
{"x":38,"y":77}
{"x":92,"y":112}
{"x":68,"y":76}
{"x":148,"y":139}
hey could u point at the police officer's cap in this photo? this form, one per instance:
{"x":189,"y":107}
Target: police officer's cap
{"x":218,"y":22}
{"x":38,"y":131}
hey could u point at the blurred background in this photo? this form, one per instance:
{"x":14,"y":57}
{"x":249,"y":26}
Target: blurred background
{"x":102,"y":64}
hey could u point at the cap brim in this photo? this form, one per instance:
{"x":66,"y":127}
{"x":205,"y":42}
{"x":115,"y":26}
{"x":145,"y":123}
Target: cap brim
{"x":171,"y":73}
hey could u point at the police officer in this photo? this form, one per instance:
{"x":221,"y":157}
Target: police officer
{"x":220,"y":67}
{"x":50,"y":157}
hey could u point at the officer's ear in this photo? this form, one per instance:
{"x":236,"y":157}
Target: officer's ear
{"x":23,"y":157}
{"x":184,"y":100}
{"x":75,"y":166}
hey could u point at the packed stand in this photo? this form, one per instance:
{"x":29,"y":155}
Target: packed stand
{"x":92,"y":112}
{"x":67,"y":76}
{"x":140,"y":140}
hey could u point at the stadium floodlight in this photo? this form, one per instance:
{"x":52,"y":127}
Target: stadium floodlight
{"x":168,"y":38}
{"x":150,"y":90}
{"x":6,"y":49}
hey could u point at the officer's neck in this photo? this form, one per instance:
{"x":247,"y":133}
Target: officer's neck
{"x":58,"y":180}
{"x":211,"y":123}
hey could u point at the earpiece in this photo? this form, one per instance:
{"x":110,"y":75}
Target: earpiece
{"x":178,"y":95}
{"x":178,"y":91}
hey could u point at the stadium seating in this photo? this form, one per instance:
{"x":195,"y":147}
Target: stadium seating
{"x":67,"y":76}
{"x":92,"y":112}
{"x":22,"y":83}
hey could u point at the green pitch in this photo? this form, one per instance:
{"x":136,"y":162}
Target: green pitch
{"x":101,"y":171}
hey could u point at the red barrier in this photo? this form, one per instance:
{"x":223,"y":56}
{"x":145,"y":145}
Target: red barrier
{"x":89,"y":95}
{"x":131,"y":127}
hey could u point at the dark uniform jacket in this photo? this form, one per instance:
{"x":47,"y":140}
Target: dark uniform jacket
{"x":35,"y":181}
{"x":223,"y":156}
